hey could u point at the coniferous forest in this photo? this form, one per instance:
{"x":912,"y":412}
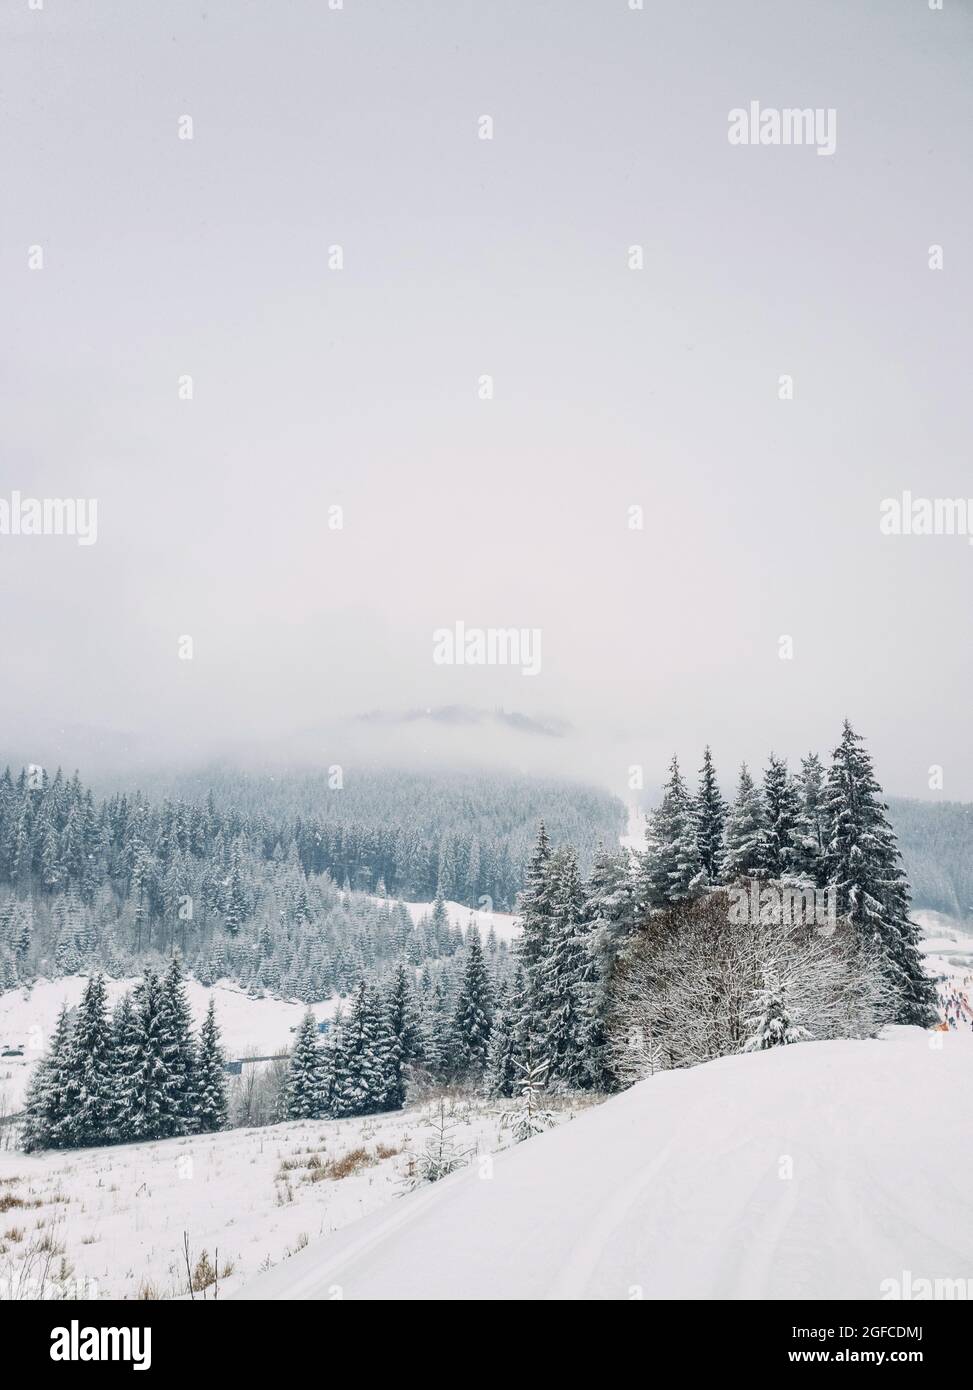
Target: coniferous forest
{"x":643,"y":962}
{"x":88,"y":883}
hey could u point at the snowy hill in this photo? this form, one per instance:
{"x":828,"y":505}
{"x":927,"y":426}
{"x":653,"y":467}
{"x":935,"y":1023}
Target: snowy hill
{"x":504,"y":925}
{"x":813,"y":1171}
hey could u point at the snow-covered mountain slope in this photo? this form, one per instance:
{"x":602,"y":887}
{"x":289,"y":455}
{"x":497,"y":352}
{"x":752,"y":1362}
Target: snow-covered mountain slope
{"x":505,"y":925}
{"x":812,"y":1171}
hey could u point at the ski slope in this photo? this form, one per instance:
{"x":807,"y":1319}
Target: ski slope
{"x":818,"y":1170}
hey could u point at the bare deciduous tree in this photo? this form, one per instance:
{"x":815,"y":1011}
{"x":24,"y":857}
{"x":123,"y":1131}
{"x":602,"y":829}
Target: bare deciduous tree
{"x":684,"y":992}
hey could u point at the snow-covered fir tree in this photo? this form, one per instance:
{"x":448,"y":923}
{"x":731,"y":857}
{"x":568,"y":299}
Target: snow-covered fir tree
{"x":126,"y":1065}
{"x":178,"y":1049}
{"x":769,"y":1022}
{"x":782,"y":811}
{"x":87,"y":1071}
{"x":306,"y":1075}
{"x":567,"y":1028}
{"x":473,"y":1014}
{"x":360,"y":1058}
{"x":710,"y":814}
{"x":812,"y":838}
{"x":672,"y":867}
{"x":535,"y":907}
{"x":405,"y":1035}
{"x":611,"y":907}
{"x":745,"y":849}
{"x":439,"y":1042}
{"x":501,"y":1069}
{"x":45,"y":1108}
{"x":530,"y":1117}
{"x":154,"y":1109}
{"x":209,"y":1081}
{"x":862,"y":861}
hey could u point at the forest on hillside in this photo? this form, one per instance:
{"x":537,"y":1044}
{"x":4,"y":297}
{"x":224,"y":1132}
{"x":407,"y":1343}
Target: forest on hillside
{"x":936,"y":840}
{"x":249,"y":884}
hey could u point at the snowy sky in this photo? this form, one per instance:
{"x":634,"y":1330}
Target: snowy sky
{"x":463,"y":257}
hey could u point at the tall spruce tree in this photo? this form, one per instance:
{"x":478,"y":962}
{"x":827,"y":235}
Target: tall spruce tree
{"x":361,"y":1057}
{"x":611,"y":906}
{"x":439,"y":1042}
{"x":405,"y":1041}
{"x":126,"y":1053}
{"x":501,"y":1068}
{"x":154,"y":1108}
{"x":45,"y":1108}
{"x":535,"y":905}
{"x":862,"y":862}
{"x":87,"y":1074}
{"x":569,"y":970}
{"x":710,"y":812}
{"x":474,"y":1013}
{"x":812,"y":837}
{"x":745,"y":850}
{"x":782,"y":808}
{"x":178,"y":1049}
{"x":305,"y":1098}
{"x":672,"y":865}
{"x":209,"y":1080}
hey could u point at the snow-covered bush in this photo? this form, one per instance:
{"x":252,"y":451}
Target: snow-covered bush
{"x":694,"y":986}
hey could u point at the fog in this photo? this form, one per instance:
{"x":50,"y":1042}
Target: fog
{"x":340,"y":486}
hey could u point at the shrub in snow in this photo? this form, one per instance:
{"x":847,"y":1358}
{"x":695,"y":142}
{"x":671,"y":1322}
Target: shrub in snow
{"x":440,"y":1156}
{"x":530,"y":1117}
{"x":771,"y":1023}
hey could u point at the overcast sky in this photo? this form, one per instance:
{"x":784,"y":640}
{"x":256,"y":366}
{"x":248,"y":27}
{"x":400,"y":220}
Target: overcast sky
{"x":464,"y":257}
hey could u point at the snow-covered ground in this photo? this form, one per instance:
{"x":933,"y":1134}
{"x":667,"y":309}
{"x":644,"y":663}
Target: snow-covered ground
{"x":255,"y":1195}
{"x":505,"y":925}
{"x":819,"y":1170}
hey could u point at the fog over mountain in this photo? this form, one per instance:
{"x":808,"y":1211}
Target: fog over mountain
{"x":757,"y":604}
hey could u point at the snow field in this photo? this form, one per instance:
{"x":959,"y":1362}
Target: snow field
{"x":255,"y":1195}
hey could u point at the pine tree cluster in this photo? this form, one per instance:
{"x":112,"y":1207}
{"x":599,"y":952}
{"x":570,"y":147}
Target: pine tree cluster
{"x":138,"y":1073}
{"x":821,"y":829}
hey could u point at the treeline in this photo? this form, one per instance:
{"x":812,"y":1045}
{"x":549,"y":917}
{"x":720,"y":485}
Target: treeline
{"x":139,"y":1073}
{"x":182,"y":869}
{"x":301,"y":937}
